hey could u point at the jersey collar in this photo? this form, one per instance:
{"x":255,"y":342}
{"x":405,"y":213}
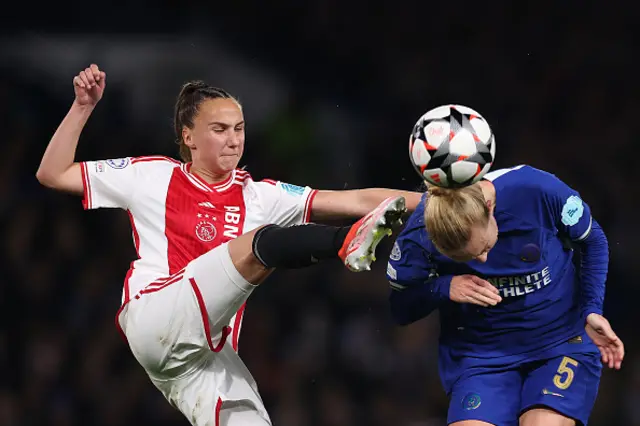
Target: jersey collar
{"x":204,"y":186}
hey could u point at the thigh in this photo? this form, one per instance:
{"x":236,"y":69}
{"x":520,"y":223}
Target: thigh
{"x":173,"y":322}
{"x":492,"y":397}
{"x":543,"y":416}
{"x":218,"y":287}
{"x":565,"y":384}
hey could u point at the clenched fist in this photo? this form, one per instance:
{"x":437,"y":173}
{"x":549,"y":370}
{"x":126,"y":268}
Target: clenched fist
{"x":89,"y":85}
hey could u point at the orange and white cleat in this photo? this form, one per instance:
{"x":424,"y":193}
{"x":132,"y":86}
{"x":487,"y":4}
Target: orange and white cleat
{"x":358,"y":250}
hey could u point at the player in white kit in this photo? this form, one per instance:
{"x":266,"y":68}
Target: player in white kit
{"x":206,"y":234}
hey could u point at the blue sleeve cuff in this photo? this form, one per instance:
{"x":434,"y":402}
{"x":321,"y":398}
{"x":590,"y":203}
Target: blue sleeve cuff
{"x":591,"y":310}
{"x":442,"y":287}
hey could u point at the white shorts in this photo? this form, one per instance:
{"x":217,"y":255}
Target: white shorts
{"x":181,"y":330}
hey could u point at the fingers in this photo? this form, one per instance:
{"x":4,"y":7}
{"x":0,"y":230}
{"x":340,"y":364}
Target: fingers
{"x":77,"y":81}
{"x":95,"y":71}
{"x":610,"y":357}
{"x":90,"y":77}
{"x":471,"y":289}
{"x":618,"y":353}
{"x":612,"y":354}
{"x":479,"y":299}
{"x":484,"y":284}
{"x":605,"y":354}
{"x":102,"y":79}
{"x":85,"y":79}
{"x":615,"y":347}
{"x":488,"y":291}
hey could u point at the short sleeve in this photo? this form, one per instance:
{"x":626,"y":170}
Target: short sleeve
{"x":409,"y":262}
{"x":286,"y":204}
{"x":570,"y":214}
{"x":108,"y":183}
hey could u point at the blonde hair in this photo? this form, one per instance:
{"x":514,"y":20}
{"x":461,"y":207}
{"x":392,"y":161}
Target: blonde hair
{"x":450,"y":214}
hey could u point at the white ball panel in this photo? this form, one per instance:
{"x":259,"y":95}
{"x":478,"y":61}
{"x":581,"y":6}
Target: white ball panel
{"x":419,"y":153}
{"x":461,"y":171}
{"x":492,"y":150}
{"x":463,"y":144}
{"x":482,"y":129}
{"x":437,"y":132}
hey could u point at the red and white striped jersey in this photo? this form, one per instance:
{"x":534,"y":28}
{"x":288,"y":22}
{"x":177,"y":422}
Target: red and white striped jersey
{"x":176,"y":216}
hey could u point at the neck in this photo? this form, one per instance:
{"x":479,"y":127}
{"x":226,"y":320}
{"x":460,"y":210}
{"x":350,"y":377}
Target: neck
{"x":209,"y":176}
{"x":488,"y":190}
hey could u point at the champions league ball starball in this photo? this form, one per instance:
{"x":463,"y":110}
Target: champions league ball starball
{"x":452,"y":146}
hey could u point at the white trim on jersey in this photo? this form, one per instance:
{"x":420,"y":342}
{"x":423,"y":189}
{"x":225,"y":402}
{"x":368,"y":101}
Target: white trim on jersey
{"x":195,"y":181}
{"x":491,"y":176}
{"x":396,"y":286}
{"x":586,"y":233}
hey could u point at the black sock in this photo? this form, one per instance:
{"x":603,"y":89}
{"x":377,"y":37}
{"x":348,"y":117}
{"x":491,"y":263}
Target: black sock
{"x":297,"y":246}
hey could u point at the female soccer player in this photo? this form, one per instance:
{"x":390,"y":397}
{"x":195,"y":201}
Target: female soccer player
{"x":206,"y":234}
{"x":522,"y":331}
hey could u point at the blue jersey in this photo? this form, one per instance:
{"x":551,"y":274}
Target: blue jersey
{"x":544,"y":298}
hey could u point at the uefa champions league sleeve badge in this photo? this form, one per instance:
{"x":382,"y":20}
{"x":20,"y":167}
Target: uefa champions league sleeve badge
{"x":572,"y":210}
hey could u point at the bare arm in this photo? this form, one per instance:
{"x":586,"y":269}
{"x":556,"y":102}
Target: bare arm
{"x":57,"y":169}
{"x":357,"y":202}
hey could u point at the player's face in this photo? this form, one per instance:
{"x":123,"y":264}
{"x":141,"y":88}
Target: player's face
{"x":482,"y":240}
{"x":217,"y":137}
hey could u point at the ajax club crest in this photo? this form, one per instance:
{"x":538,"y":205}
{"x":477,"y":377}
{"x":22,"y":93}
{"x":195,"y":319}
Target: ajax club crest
{"x":205,"y":231}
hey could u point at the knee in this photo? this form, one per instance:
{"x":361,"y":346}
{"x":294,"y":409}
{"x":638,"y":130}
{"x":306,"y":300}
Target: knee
{"x":246,"y":263}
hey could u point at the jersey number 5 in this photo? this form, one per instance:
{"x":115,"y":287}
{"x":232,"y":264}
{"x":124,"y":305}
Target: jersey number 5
{"x":564,"y":378}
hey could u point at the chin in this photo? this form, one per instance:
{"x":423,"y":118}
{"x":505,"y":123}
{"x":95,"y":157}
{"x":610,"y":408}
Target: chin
{"x":229,"y":165}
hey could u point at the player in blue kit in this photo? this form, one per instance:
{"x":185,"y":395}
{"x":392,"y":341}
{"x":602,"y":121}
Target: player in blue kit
{"x":522,"y":332}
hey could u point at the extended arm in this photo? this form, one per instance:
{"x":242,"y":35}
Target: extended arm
{"x":356,"y":202}
{"x":57,"y":169}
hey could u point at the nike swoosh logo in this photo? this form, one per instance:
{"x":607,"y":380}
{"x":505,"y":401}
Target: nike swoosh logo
{"x":548,"y":392}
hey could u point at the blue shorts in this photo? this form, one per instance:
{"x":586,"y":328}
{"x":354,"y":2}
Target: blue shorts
{"x":567,"y":384}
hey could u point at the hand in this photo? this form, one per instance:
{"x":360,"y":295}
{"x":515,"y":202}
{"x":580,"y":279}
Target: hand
{"x":471,"y":289}
{"x":89,"y":85}
{"x":610,"y":345}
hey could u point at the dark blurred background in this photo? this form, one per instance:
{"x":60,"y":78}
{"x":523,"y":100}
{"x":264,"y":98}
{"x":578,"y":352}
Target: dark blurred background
{"x":331,"y":90}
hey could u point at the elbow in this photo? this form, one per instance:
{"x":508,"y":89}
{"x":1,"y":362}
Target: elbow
{"x":46,"y":178}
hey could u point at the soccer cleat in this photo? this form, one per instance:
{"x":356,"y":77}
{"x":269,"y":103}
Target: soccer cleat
{"x":358,"y":250}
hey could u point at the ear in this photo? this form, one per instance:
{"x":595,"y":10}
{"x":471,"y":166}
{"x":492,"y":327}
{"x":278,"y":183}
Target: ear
{"x":187,"y":137}
{"x":491,"y":205}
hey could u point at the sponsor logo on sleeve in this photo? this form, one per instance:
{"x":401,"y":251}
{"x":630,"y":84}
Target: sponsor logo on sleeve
{"x":391,"y":272}
{"x":572,"y":210}
{"x":292,"y":189}
{"x":118,"y":163}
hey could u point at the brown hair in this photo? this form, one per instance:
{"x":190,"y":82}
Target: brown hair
{"x":450,"y":214}
{"x":191,"y":96}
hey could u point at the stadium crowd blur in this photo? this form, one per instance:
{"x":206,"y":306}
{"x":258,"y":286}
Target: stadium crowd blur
{"x":330,"y":96}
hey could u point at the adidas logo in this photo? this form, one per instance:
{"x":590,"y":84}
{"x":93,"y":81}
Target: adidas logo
{"x":207,"y":204}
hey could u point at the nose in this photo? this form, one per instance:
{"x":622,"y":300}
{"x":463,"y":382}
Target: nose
{"x":233,"y":140}
{"x":482,"y":258}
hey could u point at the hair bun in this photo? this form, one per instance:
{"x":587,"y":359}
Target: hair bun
{"x":192,"y":87}
{"x":438,"y":191}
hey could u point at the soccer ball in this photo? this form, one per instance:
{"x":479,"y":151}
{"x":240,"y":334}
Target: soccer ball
{"x":452,"y":146}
